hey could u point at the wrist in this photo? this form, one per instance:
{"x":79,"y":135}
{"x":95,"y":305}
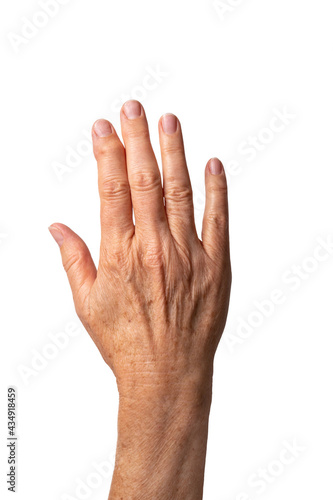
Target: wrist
{"x":153,"y":381}
{"x":164,"y":401}
{"x":162,"y":439}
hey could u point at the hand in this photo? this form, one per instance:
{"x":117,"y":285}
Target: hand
{"x":157,"y":306}
{"x":158,"y":303}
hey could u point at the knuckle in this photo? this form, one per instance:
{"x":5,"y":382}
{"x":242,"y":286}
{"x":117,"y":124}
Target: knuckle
{"x":179,"y":194}
{"x":217,"y":219}
{"x":111,"y":188}
{"x":119,"y":259}
{"x":136,"y":133}
{"x":173,"y":148}
{"x":153,"y":256}
{"x":116,"y":261}
{"x":217,"y":188}
{"x":74,"y":261}
{"x":145,"y":181}
{"x":107,"y":149}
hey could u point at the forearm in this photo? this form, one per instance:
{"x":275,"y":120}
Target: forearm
{"x":162,"y":439}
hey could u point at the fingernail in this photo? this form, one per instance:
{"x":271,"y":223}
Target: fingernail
{"x":132,"y":109}
{"x":57,"y":235}
{"x":169,"y":123}
{"x":103,"y":128}
{"x":215,"y":166}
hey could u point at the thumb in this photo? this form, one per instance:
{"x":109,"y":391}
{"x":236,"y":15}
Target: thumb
{"x":78,"y":264}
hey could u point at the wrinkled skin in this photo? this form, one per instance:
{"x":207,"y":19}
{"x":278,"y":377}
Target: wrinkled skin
{"x":159,"y":300}
{"x":157,"y":305}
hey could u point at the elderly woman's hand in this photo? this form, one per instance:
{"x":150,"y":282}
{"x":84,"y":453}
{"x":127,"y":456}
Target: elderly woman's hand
{"x":157,"y":305}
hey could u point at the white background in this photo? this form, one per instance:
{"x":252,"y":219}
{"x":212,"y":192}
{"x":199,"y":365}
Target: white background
{"x":224,"y":75}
